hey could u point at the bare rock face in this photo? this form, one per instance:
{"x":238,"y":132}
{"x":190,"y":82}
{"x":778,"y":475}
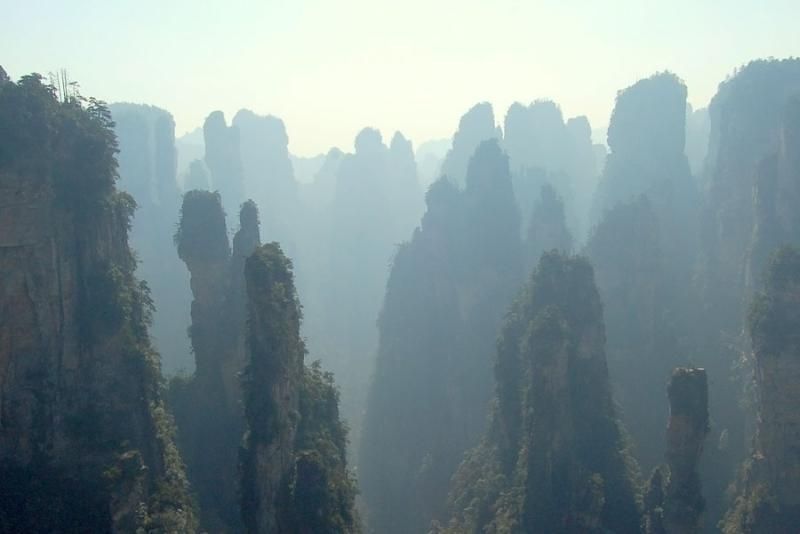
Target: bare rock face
{"x":85,"y":440}
{"x":769,"y":485}
{"x":272,"y":387}
{"x":683,"y":502}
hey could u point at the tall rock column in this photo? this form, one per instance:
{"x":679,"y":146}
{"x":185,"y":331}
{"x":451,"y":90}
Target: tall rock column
{"x":554,"y":458}
{"x":206,"y":406}
{"x":202,"y":242}
{"x":271,"y":387}
{"x":686,"y":433}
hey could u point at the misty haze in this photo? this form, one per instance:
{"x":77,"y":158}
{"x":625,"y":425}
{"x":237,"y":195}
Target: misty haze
{"x":354,"y":267}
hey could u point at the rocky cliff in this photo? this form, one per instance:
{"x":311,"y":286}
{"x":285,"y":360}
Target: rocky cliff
{"x":443,"y":306}
{"x":207,"y":405}
{"x":147,"y":168}
{"x":554,"y":458}
{"x":674,"y":502}
{"x":224,"y":160}
{"x":777,"y":194}
{"x":293,"y":472}
{"x":769,"y":484}
{"x":475,"y":126}
{"x":85,"y":440}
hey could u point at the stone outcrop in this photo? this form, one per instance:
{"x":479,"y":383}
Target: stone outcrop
{"x":674,"y":502}
{"x":268,"y":175}
{"x":208,"y":404}
{"x":476,"y":125}
{"x":746,"y":116}
{"x":686,"y":432}
{"x":449,"y":286}
{"x":739,"y":233}
{"x":769,"y":484}
{"x":777,"y":194}
{"x":544,"y":149}
{"x":647,"y":181}
{"x":146,"y":136}
{"x":626,"y":253}
{"x":647,"y":138}
{"x":85,"y":440}
{"x":202,"y":243}
{"x":223,"y":159}
{"x":548,"y":227}
{"x":553,"y":459}
{"x":293,"y":472}
{"x":272,"y":386}
{"x":376,"y":205}
{"x":291,"y":475}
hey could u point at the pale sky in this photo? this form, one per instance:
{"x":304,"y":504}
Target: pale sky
{"x":331,"y":67}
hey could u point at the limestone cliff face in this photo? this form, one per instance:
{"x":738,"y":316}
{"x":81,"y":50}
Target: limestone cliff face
{"x":676,"y":505}
{"x":553,"y":459}
{"x":769,"y":486}
{"x":85,"y":440}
